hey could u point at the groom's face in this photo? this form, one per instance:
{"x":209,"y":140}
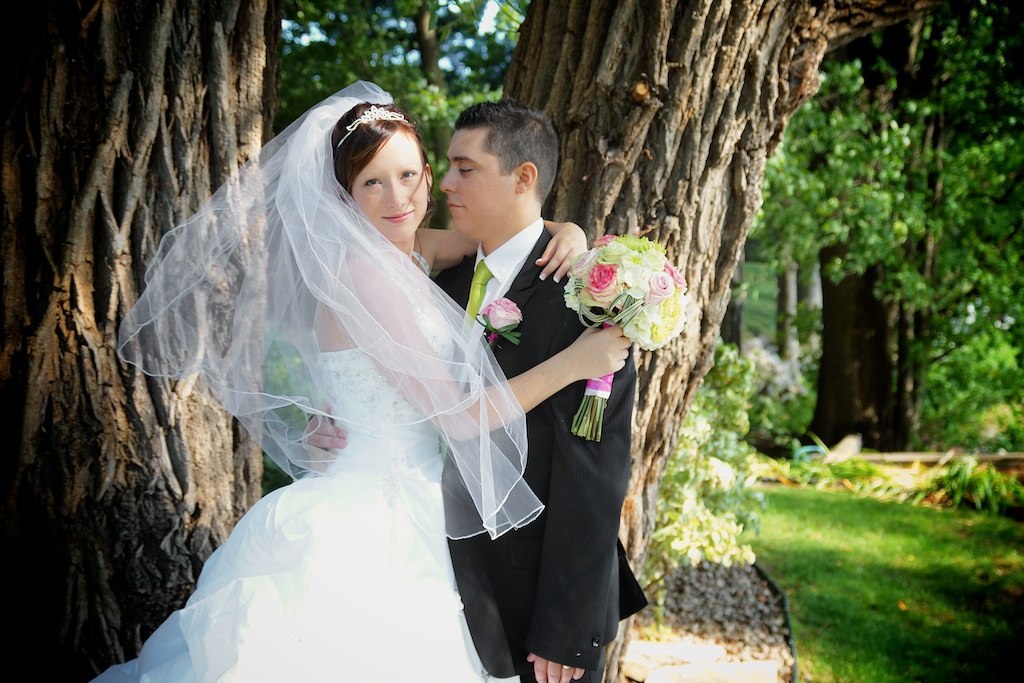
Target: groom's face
{"x":479,"y":194}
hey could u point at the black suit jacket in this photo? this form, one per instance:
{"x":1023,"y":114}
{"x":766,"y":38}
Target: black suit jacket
{"x":559,"y":586}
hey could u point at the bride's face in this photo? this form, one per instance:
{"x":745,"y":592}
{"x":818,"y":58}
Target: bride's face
{"x":394,"y":188}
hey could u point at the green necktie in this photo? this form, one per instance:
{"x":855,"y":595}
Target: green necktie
{"x":481,"y":276}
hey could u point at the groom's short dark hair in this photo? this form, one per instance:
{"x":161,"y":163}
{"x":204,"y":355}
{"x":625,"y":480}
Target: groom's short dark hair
{"x":516,"y":134}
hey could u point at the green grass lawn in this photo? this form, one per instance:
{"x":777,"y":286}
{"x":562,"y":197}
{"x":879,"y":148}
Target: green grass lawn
{"x":891,"y":592}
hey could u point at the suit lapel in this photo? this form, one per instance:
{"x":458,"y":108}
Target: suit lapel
{"x":525,"y":282}
{"x":456,"y":281}
{"x":515,"y":359}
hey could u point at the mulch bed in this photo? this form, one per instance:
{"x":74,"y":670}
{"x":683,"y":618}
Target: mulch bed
{"x":738,"y":608}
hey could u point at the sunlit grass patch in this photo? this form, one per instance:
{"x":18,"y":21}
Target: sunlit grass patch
{"x":881,"y":591}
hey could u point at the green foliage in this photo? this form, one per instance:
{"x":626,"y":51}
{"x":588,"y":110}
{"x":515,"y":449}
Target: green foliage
{"x":962,"y":482}
{"x":915,"y":173}
{"x":273,"y":476}
{"x":705,"y":498}
{"x":759,"y":291}
{"x":856,"y":475}
{"x":820,"y":474}
{"x":328,"y":44}
{"x":975,"y":398}
{"x":783,"y":401}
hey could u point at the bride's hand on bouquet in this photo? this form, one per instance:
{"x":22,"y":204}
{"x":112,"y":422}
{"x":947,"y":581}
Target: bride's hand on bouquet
{"x":599,"y":352}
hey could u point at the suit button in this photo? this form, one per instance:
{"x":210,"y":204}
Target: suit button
{"x":596,"y":642}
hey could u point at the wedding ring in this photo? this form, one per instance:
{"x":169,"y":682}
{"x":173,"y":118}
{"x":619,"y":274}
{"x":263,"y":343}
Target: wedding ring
{"x":566,"y":666}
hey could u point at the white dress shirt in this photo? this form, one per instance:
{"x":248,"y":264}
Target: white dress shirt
{"x":506,"y":261}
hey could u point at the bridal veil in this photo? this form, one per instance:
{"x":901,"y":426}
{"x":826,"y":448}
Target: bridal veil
{"x":234,"y":294}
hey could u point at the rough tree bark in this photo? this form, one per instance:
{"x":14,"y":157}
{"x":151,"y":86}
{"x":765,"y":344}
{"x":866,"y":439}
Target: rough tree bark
{"x":119,"y":117}
{"x":667,"y":111}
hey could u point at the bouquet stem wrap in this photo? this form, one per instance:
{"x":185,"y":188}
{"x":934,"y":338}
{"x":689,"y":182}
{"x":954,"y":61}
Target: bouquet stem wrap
{"x":590,"y":416}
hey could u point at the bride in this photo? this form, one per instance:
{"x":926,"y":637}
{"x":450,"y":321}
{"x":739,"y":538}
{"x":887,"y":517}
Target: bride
{"x":300,"y":291}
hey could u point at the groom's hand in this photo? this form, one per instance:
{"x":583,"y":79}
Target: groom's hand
{"x":547,"y":671}
{"x":320,"y":438}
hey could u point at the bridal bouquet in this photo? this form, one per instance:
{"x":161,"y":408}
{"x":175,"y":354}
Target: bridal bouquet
{"x":627,"y":281}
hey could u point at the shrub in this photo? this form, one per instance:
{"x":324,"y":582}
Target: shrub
{"x":973,"y":397}
{"x":966,"y":482}
{"x":782,"y":402}
{"x":705,"y":499}
{"x":963,"y":482}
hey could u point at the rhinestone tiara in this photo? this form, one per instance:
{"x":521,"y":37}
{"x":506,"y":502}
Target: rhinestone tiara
{"x":374,"y":113}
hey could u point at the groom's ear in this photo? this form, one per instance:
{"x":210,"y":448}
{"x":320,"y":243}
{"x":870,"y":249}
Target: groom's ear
{"x":526,"y":177}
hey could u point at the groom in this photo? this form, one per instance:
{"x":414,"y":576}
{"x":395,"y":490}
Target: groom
{"x":542,"y":601}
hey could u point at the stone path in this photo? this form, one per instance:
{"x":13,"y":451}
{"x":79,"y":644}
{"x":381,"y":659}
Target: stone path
{"x":726,"y":625}
{"x":692,"y":661}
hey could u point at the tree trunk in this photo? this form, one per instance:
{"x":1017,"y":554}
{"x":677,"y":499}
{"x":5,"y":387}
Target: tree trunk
{"x":910,"y":374}
{"x":884,"y":408}
{"x":785,"y":312}
{"x":118,"y":119}
{"x":666,"y":113}
{"x":430,"y":47}
{"x":855,"y":376}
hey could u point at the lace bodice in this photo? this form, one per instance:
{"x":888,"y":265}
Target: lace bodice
{"x":384,"y":429}
{"x":385,"y":433}
{"x":361,"y":395}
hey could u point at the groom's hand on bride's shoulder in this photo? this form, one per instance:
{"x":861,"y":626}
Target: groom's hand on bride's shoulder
{"x":546,"y":671}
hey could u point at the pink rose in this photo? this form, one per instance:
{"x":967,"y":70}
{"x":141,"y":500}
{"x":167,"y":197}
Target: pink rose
{"x":659,"y":288}
{"x":601,"y":282}
{"x":603,"y":240}
{"x":502,"y":313}
{"x":676,"y":276}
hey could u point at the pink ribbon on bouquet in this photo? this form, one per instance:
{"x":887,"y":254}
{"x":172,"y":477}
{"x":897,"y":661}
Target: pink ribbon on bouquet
{"x":600,"y":386}
{"x":589,"y":418}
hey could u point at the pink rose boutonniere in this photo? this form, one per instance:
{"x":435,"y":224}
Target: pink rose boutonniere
{"x":500,"y":318}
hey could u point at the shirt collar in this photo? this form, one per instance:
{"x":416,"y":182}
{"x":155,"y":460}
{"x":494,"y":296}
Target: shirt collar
{"x":506,"y":260}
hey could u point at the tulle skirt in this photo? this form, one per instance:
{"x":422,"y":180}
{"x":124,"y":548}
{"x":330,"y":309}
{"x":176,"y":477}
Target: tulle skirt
{"x":344,"y":577}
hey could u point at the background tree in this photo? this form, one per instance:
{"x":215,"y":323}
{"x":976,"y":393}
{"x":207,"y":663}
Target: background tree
{"x":667,"y":112}
{"x":903,"y":178}
{"x":119,"y":118}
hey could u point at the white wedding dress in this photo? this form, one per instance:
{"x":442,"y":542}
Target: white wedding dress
{"x":339,"y":577}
